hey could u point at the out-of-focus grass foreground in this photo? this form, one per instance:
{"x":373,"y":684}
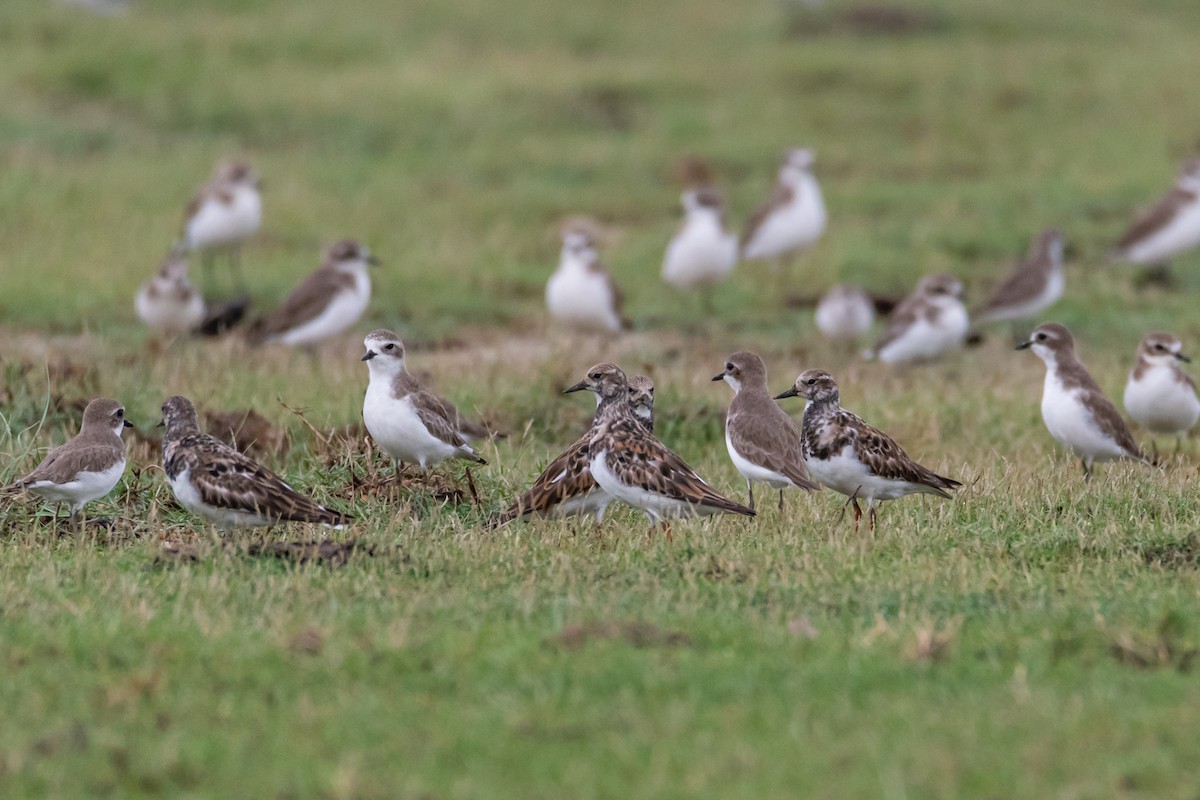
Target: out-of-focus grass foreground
{"x":1033,"y":637}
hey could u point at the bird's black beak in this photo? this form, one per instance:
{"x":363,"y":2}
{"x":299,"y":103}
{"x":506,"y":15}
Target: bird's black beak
{"x":373,"y":261}
{"x":720,"y":377}
{"x":1024,"y":345}
{"x":162,"y":423}
{"x":129,"y":424}
{"x":367,"y":356}
{"x":579,"y":387}
{"x":787,"y":393}
{"x":1183,"y":358}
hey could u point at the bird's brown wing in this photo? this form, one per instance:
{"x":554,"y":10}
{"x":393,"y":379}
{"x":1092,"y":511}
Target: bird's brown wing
{"x":565,"y":478}
{"x":780,"y":197}
{"x":887,"y":459}
{"x":304,"y":303}
{"x":1110,"y":422}
{"x":772,"y":442}
{"x":431,"y":410}
{"x":64,"y":462}
{"x":1157,"y":217}
{"x":900,"y":320}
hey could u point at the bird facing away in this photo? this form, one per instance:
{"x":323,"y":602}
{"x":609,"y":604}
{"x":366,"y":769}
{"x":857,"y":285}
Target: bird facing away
{"x":794,"y":217}
{"x":1075,"y":410}
{"x":409,"y":422}
{"x":212,"y":479}
{"x":1033,"y":286}
{"x":581,"y":294}
{"x":851,"y":457}
{"x":702,"y":252}
{"x":168,"y":303}
{"x":629,"y":463}
{"x":641,"y":399}
{"x":566,"y":486}
{"x":88,"y":466}
{"x":224,"y":213}
{"x":1159,"y":395}
{"x":763,"y":441}
{"x":845,"y":314}
{"x":927,"y":324}
{"x":1171,"y":227}
{"x":326,"y":303}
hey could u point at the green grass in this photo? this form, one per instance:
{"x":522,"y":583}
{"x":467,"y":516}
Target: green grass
{"x":1033,"y":638}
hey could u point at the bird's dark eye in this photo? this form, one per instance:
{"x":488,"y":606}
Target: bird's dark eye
{"x":729,"y":366}
{"x":389,"y":347}
{"x":811,"y":381}
{"x":1159,"y":347}
{"x":595,"y":376}
{"x":120,"y":412}
{"x":1041,"y":337}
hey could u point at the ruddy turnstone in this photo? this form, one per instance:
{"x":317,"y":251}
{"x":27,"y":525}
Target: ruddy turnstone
{"x":794,"y":217}
{"x":581,"y":293}
{"x":852,"y":457}
{"x":86,"y":467}
{"x":928,"y":323}
{"x":1075,"y":411}
{"x":1033,"y":286}
{"x":1170,"y":227}
{"x":763,"y":441}
{"x":408,"y":422}
{"x":224,"y":213}
{"x":633,"y":466}
{"x":641,"y":400}
{"x":212,"y":479}
{"x":168,"y":303}
{"x":566,"y":487}
{"x":845,"y":314}
{"x":1160,"y":396}
{"x":702,"y":252}
{"x":325,"y":303}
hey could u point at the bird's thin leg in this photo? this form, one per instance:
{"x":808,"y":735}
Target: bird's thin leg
{"x":1178,"y":444}
{"x":871,"y":514}
{"x":750,"y":488}
{"x":1154,"y":450}
{"x":857,"y":513}
{"x":781,"y":501}
{"x":1087,"y":469}
{"x":666,"y":526}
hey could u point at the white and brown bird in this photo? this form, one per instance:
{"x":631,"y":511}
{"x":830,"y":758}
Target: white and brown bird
{"x":168,"y":303}
{"x":929,"y":323}
{"x":793,"y":218}
{"x":406,"y":420}
{"x":851,"y":457}
{"x":1169,"y":228}
{"x":845,"y":314}
{"x":224,"y":213}
{"x":326,"y":303}
{"x":86,"y":467}
{"x":1033,"y":286}
{"x":1075,"y":410}
{"x":702,"y":252}
{"x":566,"y":486}
{"x":581,"y":293}
{"x":763,"y":441}
{"x":1159,"y":395}
{"x":212,"y":479}
{"x":629,"y":463}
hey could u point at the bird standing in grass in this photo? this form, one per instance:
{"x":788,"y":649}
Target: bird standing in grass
{"x":222,"y":215}
{"x":1159,"y":395}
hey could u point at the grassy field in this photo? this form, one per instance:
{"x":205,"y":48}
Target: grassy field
{"x":1036,"y":637}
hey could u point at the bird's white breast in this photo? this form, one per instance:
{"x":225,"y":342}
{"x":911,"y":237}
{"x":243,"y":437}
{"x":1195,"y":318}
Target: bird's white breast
{"x":84,"y":488}
{"x":1160,"y":403}
{"x":793,"y":226}
{"x":166,"y":312}
{"x":844,"y":317}
{"x":217,"y":224}
{"x":702,"y":252}
{"x":925,"y":339}
{"x":754,"y":472}
{"x":1071,"y":423}
{"x":1177,"y":236}
{"x":582,"y":298}
{"x":397,"y":428}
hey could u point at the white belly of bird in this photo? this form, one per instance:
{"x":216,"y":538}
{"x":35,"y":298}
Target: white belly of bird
{"x":86,"y":487}
{"x":843,"y":318}
{"x":1071,"y":424}
{"x":844,"y":473}
{"x":926,"y":340}
{"x":655,"y":506}
{"x":343,"y":311}
{"x":189,"y":497}
{"x":399,"y":431}
{"x":1161,"y":404}
{"x":753,"y":472}
{"x":1181,"y":235}
{"x":168,"y":314}
{"x":701,"y":253}
{"x":793,"y":227}
{"x":217,"y":225}
{"x":582,"y":299}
